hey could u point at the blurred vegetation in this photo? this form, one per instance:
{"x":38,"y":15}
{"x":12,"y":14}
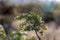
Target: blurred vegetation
{"x":34,"y":22}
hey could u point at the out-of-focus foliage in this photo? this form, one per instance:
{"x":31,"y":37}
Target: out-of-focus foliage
{"x":13,"y":35}
{"x":2,"y":33}
{"x":33,"y":20}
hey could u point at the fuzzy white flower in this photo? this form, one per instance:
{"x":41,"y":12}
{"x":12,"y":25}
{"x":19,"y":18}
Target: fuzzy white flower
{"x":1,"y":26}
{"x":29,"y":15}
{"x":24,"y":37}
{"x":14,"y":32}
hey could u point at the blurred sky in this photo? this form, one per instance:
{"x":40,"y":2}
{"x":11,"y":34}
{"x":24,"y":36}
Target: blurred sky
{"x":27,"y":1}
{"x":30,"y":1}
{"x":22,"y":1}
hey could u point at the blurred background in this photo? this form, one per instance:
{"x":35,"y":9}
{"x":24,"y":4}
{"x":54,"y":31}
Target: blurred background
{"x":49,"y":10}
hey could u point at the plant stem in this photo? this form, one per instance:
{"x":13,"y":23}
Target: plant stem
{"x":37,"y":35}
